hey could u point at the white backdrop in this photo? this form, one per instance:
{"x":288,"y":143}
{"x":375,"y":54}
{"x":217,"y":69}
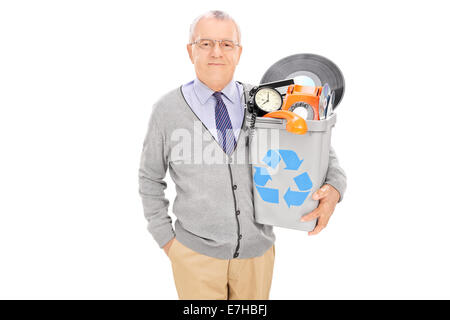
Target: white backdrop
{"x":78,"y":79}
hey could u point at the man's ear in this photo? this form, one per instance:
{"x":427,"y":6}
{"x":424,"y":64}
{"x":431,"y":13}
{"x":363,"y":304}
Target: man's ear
{"x":239,"y":55}
{"x":189,"y":49}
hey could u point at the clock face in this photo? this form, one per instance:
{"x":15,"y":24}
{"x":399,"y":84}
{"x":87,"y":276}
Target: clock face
{"x":268,"y":99}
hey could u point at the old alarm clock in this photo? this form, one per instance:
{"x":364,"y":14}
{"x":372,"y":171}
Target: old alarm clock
{"x":266,"y":98}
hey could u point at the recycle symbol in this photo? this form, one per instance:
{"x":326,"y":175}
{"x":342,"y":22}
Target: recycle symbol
{"x":262,"y":176}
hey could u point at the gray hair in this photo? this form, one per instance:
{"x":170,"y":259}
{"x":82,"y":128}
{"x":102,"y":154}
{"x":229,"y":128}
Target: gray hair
{"x":217,"y":14}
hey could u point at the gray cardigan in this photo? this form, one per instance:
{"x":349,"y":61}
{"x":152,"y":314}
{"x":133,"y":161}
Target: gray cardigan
{"x":214,"y":201}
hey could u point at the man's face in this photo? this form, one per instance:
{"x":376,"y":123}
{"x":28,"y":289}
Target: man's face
{"x":216,"y":65}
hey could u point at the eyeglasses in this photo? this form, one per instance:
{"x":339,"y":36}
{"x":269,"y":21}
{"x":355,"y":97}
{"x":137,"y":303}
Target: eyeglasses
{"x":208,"y":44}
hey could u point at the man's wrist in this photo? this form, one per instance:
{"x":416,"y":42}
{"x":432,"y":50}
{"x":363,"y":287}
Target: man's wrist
{"x":334,"y":194}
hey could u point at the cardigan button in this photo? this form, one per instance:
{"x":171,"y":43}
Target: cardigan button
{"x":236,"y":255}
{"x":238,"y":212}
{"x":234,"y":187}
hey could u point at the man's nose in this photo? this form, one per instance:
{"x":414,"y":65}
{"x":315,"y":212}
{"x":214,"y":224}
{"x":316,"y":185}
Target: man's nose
{"x":217,"y":50}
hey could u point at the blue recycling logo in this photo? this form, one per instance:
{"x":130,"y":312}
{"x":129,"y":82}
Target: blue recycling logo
{"x":261,"y":176}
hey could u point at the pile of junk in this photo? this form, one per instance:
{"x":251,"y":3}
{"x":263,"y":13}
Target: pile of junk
{"x":290,"y":115}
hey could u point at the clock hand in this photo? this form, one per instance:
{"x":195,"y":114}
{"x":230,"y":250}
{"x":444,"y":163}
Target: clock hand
{"x":265,"y":101}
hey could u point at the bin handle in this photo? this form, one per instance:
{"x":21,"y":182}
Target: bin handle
{"x":295,"y":123}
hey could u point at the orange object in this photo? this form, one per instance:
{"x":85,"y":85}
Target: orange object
{"x":295,"y":123}
{"x":297,"y":93}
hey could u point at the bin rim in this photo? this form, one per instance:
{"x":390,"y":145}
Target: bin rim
{"x":313,"y":125}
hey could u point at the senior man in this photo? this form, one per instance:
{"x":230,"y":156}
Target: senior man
{"x":217,"y":250}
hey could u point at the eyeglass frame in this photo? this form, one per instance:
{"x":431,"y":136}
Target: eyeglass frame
{"x":215,"y":41}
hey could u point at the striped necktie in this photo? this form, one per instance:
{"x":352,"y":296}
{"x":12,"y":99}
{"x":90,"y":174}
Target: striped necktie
{"x":223,"y":125}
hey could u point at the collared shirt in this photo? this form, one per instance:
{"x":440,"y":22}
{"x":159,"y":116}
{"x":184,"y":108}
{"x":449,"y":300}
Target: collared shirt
{"x":201,"y":100}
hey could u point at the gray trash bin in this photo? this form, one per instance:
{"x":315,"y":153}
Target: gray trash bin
{"x":287,"y":169}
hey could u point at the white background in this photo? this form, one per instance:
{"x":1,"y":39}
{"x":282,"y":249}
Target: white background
{"x":78,"y":79}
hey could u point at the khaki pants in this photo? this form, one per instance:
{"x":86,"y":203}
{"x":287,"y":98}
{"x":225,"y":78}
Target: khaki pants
{"x":198,"y":276}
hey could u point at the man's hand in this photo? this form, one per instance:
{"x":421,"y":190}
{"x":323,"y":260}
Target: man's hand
{"x":328,"y":197}
{"x":167,"y":246}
